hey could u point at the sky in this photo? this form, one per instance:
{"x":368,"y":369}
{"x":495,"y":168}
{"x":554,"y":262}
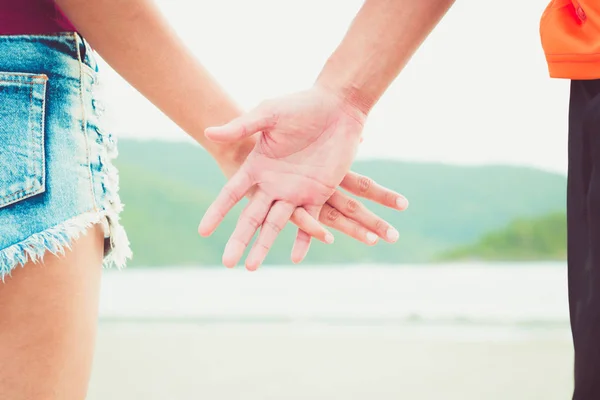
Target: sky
{"x":476,"y":92}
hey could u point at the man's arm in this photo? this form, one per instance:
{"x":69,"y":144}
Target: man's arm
{"x":312,"y":136}
{"x":381,"y":40}
{"x":136,"y":40}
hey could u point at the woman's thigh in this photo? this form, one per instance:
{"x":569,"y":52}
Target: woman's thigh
{"x":48,"y":320}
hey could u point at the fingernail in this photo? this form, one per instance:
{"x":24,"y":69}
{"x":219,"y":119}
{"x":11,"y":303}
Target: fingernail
{"x":232,"y":254}
{"x":401,"y":202}
{"x":371,"y":237}
{"x":252,"y":266}
{"x":329,"y":238}
{"x":392,"y":235}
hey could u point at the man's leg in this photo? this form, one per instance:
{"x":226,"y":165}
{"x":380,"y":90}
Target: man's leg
{"x":583,"y":216}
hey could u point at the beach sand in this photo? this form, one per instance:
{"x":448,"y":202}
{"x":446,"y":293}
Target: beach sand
{"x":161,"y":360}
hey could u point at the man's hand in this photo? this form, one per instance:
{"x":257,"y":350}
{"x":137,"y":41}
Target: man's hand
{"x":306,"y":145}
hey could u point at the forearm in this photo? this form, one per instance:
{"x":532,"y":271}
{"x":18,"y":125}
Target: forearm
{"x":381,"y":40}
{"x":134,"y":38}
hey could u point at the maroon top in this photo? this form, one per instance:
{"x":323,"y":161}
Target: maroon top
{"x":18,"y":17}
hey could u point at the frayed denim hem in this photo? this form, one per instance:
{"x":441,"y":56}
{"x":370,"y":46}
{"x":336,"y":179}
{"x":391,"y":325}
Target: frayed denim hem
{"x":60,"y":237}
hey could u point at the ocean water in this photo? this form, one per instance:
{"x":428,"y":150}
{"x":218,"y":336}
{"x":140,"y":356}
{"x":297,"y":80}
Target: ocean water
{"x":491,"y":296}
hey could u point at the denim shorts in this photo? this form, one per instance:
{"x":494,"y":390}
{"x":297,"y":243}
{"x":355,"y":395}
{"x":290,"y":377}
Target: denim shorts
{"x":56,"y":173}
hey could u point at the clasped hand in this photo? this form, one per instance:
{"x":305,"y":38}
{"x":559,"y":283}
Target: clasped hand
{"x":305,"y":145}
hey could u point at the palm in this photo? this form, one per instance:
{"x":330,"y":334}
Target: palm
{"x":305,"y":156}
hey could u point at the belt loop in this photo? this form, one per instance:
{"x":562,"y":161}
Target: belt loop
{"x":80,"y":47}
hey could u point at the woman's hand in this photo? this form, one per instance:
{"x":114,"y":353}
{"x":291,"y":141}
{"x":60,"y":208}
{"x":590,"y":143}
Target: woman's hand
{"x":304,"y":150}
{"x":341,"y":212}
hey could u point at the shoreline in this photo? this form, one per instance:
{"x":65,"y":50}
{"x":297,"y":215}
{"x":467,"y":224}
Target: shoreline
{"x":157,"y":361}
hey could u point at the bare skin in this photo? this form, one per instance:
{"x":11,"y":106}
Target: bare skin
{"x":307,"y":140}
{"x":49,"y":311}
{"x":48,"y":323}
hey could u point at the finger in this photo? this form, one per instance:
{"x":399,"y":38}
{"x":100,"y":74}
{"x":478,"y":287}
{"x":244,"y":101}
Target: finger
{"x":278,"y":216}
{"x":251,"y":218}
{"x":336,"y":220}
{"x":301,"y":246}
{"x":311,"y":226}
{"x":351,"y":209}
{"x":230,"y":195}
{"x":257,"y":120}
{"x":366,"y":188}
{"x":302,"y":242}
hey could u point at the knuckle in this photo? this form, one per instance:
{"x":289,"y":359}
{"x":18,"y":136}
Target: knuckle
{"x":273,"y":226}
{"x":217,"y":210}
{"x":253,"y":221}
{"x":268,"y":112}
{"x":241,"y":240}
{"x":352,"y":206}
{"x":219,"y":213}
{"x":231,"y":196}
{"x":364,"y":184}
{"x":265,"y":246}
{"x":271,"y":118}
{"x":324,"y":215}
{"x":333,"y":214}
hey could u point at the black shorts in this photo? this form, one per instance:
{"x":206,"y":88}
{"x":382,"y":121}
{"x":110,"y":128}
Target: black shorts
{"x":583,"y":220}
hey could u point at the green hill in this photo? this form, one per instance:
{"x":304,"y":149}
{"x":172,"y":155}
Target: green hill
{"x":166,"y":188}
{"x":543,"y":238}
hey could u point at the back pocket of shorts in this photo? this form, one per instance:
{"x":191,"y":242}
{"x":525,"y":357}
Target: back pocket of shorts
{"x":22,"y":163}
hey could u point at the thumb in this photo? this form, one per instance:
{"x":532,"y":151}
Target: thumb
{"x":243,"y":126}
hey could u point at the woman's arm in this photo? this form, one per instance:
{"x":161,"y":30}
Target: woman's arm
{"x":137,"y":41}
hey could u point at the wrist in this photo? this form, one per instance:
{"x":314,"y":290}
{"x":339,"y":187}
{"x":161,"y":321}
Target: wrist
{"x":350,"y":101}
{"x":352,"y":96}
{"x":350,"y":85}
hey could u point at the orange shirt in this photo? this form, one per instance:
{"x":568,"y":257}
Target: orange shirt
{"x":570,"y":32}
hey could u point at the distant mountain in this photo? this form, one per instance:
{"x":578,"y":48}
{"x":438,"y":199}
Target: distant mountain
{"x":166,"y":188}
{"x":542,"y":238}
